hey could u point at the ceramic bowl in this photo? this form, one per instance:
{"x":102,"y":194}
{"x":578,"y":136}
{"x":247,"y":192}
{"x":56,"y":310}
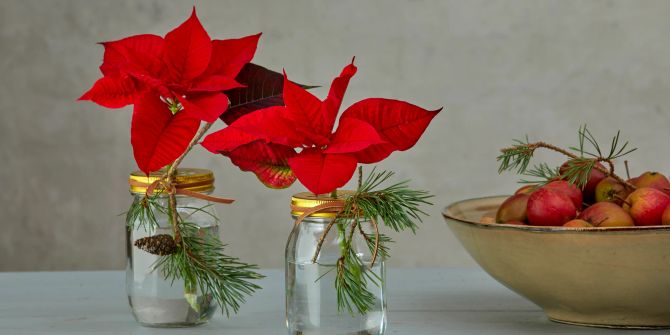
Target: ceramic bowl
{"x":608,"y":277}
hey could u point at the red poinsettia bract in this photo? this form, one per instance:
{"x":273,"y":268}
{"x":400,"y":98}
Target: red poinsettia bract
{"x":265,"y":141}
{"x":173,"y":82}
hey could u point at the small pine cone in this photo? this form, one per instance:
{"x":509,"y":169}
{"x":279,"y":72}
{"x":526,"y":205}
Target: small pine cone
{"x":161,"y":245}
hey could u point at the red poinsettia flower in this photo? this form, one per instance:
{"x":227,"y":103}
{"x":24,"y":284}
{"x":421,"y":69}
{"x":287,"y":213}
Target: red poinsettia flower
{"x":265,"y":141}
{"x":173,"y":82}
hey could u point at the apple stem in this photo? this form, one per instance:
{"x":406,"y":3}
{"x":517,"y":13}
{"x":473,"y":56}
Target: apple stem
{"x":615,"y":196}
{"x":625,"y":163}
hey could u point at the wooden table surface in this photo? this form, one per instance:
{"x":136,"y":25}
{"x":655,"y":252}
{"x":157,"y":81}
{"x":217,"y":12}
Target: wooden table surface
{"x":421,"y":302}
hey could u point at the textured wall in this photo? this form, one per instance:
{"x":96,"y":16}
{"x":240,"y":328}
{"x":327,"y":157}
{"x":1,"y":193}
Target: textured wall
{"x":502,"y":69}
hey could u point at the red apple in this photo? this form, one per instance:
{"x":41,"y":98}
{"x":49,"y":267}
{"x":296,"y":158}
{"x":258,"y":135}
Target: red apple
{"x":606,"y":214}
{"x":570,"y":190}
{"x":610,"y":190}
{"x":513,"y":209}
{"x":589,"y":190}
{"x":577,"y":223}
{"x":665,"y":219}
{"x":652,"y":179}
{"x":646,"y":206}
{"x":549,"y":208}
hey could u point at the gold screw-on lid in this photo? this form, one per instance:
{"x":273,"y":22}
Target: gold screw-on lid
{"x":309,"y":200}
{"x":196,"y":180}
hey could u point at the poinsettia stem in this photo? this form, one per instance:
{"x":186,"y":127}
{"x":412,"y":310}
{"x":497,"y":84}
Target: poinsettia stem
{"x":169,"y":178}
{"x":198,"y":136}
{"x":172,"y":205}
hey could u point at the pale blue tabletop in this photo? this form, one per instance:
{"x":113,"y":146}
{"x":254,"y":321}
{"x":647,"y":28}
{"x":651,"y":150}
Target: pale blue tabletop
{"x":421,"y":302}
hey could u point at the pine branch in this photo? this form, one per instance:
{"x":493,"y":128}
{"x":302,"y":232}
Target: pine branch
{"x":199,"y":260}
{"x":398,"y":208}
{"x":351,"y":283}
{"x":142,"y":213}
{"x":397,"y":205}
{"x":202,"y":263}
{"x":370,"y":240}
{"x":579,"y":167}
{"x":543,"y":172}
{"x":578,"y":170}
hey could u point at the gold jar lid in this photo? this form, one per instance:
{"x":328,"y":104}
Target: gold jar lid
{"x":196,"y":180}
{"x":308,"y":200}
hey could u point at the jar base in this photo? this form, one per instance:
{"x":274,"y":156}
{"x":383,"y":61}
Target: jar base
{"x":170,"y":313}
{"x":173,"y":324}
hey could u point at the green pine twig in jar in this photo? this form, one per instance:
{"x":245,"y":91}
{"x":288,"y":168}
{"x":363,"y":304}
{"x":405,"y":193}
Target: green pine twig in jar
{"x":202,"y":263}
{"x":398,"y":207}
{"x":198,"y":260}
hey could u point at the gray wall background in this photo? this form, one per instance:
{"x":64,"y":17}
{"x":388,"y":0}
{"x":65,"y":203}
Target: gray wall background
{"x":502,"y":69}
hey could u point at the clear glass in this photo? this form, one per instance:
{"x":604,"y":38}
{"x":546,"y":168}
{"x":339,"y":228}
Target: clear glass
{"x":154,"y":301}
{"x":311,"y":298}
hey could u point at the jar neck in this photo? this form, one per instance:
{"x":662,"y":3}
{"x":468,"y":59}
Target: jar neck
{"x":327,"y":220}
{"x":163,"y":195}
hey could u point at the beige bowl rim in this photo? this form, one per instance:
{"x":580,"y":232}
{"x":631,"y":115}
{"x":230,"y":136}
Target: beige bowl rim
{"x":546,"y":229}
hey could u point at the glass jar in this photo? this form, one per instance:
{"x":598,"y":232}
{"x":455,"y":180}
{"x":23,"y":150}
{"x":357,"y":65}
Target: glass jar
{"x":154,"y":300}
{"x":311,"y":296}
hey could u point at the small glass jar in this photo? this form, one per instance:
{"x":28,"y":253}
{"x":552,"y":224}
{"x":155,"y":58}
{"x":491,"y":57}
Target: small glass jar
{"x":311,"y":297}
{"x":155,"y":301}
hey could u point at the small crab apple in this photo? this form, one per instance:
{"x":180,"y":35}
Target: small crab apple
{"x":665,"y":219}
{"x":611,"y":190}
{"x":654,"y":180}
{"x":570,"y":190}
{"x":547,"y":207}
{"x":513,"y":209}
{"x":606,"y":214}
{"x":577,"y":223}
{"x":646,"y":205}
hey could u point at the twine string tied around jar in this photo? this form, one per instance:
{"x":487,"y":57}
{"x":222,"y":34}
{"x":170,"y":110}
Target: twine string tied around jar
{"x":181,"y":189}
{"x":337,"y":207}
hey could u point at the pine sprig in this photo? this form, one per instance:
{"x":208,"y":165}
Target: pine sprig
{"x":543,"y":174}
{"x":616,"y":150}
{"x":198,"y":259}
{"x":396,"y":206}
{"x":370,"y":240}
{"x":202,"y":263}
{"x":517,"y":156}
{"x":578,"y":168}
{"x":351,"y":283}
{"x":142,"y":213}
